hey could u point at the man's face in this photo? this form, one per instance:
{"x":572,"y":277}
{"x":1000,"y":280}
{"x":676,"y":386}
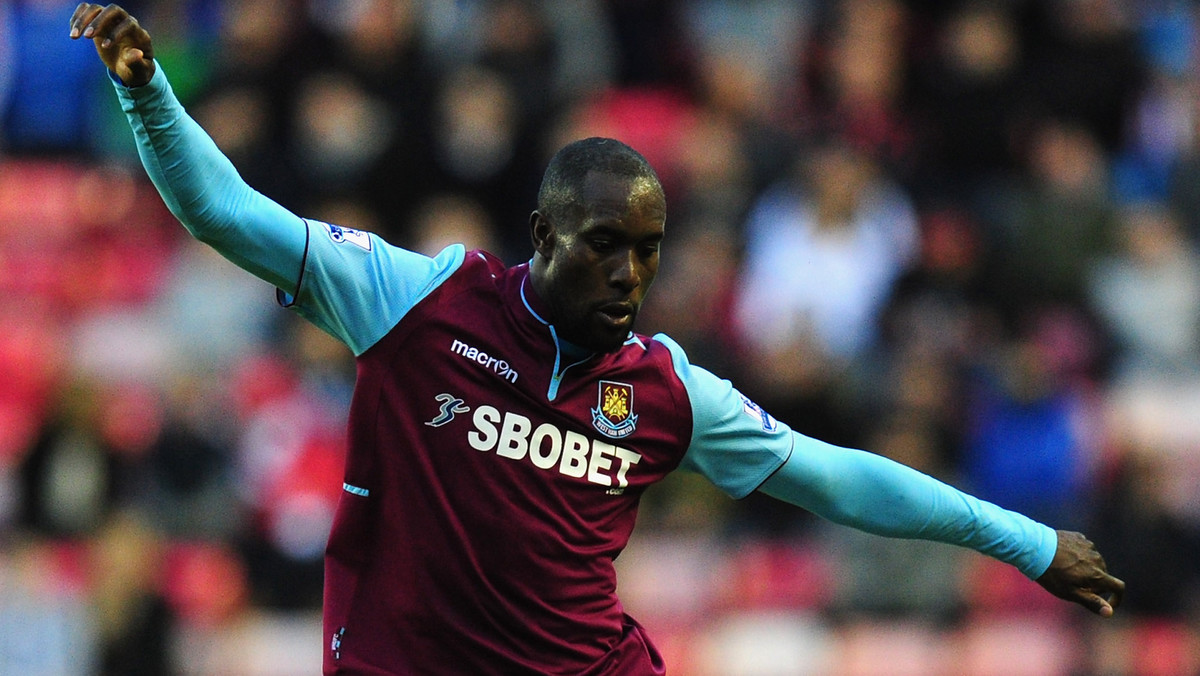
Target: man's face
{"x":594,"y":274}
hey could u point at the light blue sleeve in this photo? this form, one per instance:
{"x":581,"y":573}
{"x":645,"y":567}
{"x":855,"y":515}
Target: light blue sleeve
{"x":740,"y":448}
{"x":878,"y":495}
{"x":356,"y":286}
{"x":203,"y":190}
{"x":735,"y":444}
{"x":350,"y":283}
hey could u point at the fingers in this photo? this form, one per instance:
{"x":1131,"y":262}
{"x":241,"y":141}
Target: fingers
{"x":121,"y":42}
{"x":1079,"y":574}
{"x":84,"y":14}
{"x":106,"y":25}
{"x":1116,"y":589}
{"x":119,"y":31}
{"x":1104,"y":597}
{"x":1097,"y":604}
{"x":1104,"y":592}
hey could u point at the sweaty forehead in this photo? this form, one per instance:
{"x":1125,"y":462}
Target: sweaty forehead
{"x":612,"y":194}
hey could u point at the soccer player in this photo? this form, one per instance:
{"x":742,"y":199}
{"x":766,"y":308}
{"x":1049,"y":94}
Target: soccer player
{"x":506,"y":420}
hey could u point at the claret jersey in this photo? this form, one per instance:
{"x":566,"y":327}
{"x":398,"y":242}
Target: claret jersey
{"x":487,"y":494}
{"x":494,"y":475}
{"x":493,"y":471}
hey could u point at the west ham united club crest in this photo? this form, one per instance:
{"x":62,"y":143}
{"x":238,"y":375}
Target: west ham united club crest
{"x":613,"y":416}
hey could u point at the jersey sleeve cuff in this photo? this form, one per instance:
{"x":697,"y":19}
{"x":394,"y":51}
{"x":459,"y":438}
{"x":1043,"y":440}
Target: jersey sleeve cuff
{"x":1043,"y":554}
{"x":156,"y":84}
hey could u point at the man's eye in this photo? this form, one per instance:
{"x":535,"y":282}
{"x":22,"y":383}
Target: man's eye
{"x":602,"y":245}
{"x":649,"y":250}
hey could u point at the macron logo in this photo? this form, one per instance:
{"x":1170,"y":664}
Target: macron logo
{"x":498,"y":366}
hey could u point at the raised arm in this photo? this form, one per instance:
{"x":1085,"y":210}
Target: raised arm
{"x":197,"y":182}
{"x":352,"y":284}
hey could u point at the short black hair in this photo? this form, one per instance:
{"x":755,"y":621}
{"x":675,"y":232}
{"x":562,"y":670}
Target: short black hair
{"x":558,"y":197}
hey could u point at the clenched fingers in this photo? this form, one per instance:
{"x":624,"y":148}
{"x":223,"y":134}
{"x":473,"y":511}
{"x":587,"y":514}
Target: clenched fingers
{"x":121,"y":42}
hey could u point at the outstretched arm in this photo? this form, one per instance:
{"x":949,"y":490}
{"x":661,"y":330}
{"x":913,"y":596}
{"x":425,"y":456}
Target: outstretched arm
{"x":877,"y":495}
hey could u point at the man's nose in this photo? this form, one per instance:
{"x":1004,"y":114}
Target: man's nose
{"x":627,"y":271}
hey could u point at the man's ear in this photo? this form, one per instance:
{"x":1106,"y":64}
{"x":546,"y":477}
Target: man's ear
{"x":541,"y":230}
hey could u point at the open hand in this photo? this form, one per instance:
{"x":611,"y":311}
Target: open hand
{"x":123,"y":45}
{"x":1078,"y":574}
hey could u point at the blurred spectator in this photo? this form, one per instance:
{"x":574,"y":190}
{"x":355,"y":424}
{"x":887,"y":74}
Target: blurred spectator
{"x":210,"y":318}
{"x":751,"y":57}
{"x":477,"y":140}
{"x":937,"y":306}
{"x":125,"y":568}
{"x":1148,"y":294}
{"x":55,"y":95}
{"x":822,"y":252}
{"x":934,"y":328}
{"x":1086,"y":68}
{"x":509,"y":68}
{"x":377,"y":51}
{"x":585,"y":55}
{"x":452,"y":219}
{"x":379,"y":43}
{"x":189,"y":493}
{"x":263,"y":49}
{"x":1161,"y":125}
{"x":288,"y":466}
{"x":968,"y":98}
{"x":517,"y":44}
{"x":343,"y":133}
{"x":44,"y":611}
{"x":266,"y":40}
{"x":769,"y":36}
{"x":716,"y":173}
{"x":861,"y":77}
{"x":1031,"y":443}
{"x":1152,"y":540}
{"x":1055,"y":223}
{"x":74,"y":475}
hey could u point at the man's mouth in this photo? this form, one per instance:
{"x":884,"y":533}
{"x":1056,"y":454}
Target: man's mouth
{"x":617,"y":314}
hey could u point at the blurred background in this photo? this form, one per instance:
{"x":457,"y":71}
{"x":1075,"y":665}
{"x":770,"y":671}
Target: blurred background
{"x":962,"y":234}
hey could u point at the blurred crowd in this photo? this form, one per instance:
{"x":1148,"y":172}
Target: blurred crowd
{"x":963,"y":234}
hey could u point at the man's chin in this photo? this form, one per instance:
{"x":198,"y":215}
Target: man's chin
{"x":605,"y":344}
{"x":604,"y":339}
